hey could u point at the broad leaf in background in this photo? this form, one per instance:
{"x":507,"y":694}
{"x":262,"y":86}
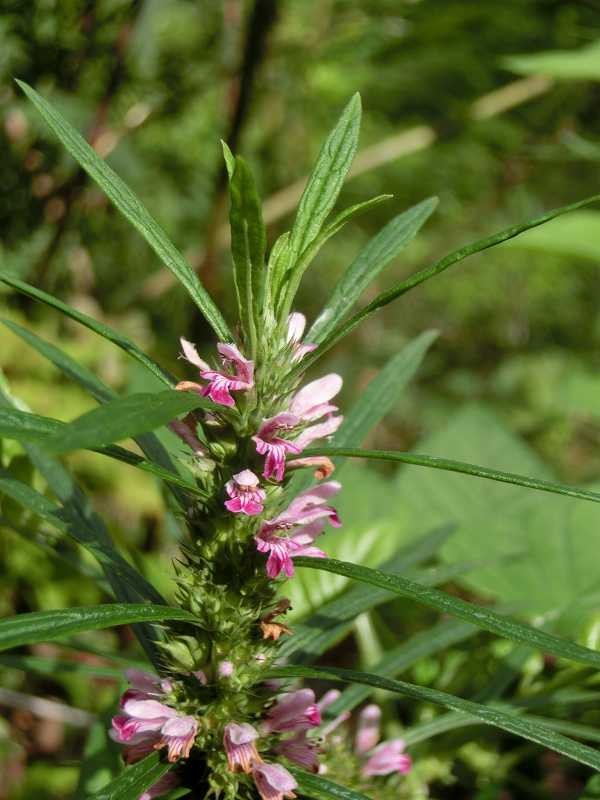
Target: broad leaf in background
{"x":377,"y":254}
{"x":129,"y":205}
{"x":323,"y":187}
{"x":364,"y":537}
{"x":576,"y":235}
{"x":124,"y":418}
{"x":554,"y":536}
{"x":582,"y":64}
{"x":331,"y":621}
{"x":45,"y":626}
{"x":248,"y":243}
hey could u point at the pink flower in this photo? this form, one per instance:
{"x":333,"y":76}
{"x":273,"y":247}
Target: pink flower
{"x":300,"y":750}
{"x":368,"y":729}
{"x":246,"y":496}
{"x":239,"y":374}
{"x":238,"y":741}
{"x":162,"y":786}
{"x":178,"y":735}
{"x":144,"y":686}
{"x":308,"y":513}
{"x":273,"y":781}
{"x":140,"y":718}
{"x":274,"y":447}
{"x":294,"y":711}
{"x":296,"y":325}
{"x":225,"y":669}
{"x":388,"y":757}
{"x":307,"y":405}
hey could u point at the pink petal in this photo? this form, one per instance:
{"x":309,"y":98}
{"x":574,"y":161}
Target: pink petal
{"x":319,"y":431}
{"x":315,"y":394}
{"x":368,"y":730}
{"x":191,"y":354}
{"x":296,"y":325}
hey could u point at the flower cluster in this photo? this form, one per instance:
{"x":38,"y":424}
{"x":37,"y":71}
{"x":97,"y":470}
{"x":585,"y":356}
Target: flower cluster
{"x":215,"y":708}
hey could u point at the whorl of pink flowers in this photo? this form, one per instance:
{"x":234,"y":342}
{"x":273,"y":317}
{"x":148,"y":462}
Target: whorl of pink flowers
{"x":147,"y":724}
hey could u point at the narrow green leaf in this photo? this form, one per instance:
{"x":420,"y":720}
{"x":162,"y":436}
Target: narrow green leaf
{"x":456,"y":466}
{"x":380,"y":396}
{"x":248,"y":243}
{"x":326,"y":179}
{"x":320,"y":788}
{"x":310,"y":253}
{"x":77,"y":520}
{"x":55,"y":666}
{"x":378,"y":253}
{"x":134,"y":780}
{"x":98,"y":327}
{"x":277,"y":266}
{"x":45,"y":626}
{"x":469,"y":612}
{"x":83,"y":376}
{"x":131,"y":207}
{"x":343,"y":329}
{"x":162,"y":465}
{"x":397,"y":660}
{"x":123,"y":418}
{"x":335,"y":619}
{"x":25,"y":427}
{"x":511,"y":722}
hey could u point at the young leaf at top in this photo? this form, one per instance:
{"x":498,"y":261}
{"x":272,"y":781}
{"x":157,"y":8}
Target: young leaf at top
{"x":378,"y":253}
{"x":131,"y":207}
{"x":325,"y":182}
{"x":344,"y":328}
{"x":248,"y":243}
{"x":123,"y":418}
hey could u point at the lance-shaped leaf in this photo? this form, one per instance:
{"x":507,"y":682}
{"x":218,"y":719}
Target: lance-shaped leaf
{"x":457,"y":466}
{"x":325,"y":181}
{"x":248,"y":243}
{"x":123,"y":418}
{"x":25,"y":427}
{"x":469,"y":612}
{"x":45,"y":626}
{"x":397,"y":660}
{"x":382,"y":393}
{"x":377,"y":254}
{"x":320,"y":788}
{"x":133,"y":782}
{"x":344,"y":328}
{"x":98,"y":327}
{"x":159,"y":459}
{"x":332,"y":621}
{"x":77,"y":520}
{"x":131,"y":207}
{"x":508,"y":721}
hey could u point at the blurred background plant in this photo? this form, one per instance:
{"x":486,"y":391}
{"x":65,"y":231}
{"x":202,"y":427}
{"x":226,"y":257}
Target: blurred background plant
{"x":490,"y":106}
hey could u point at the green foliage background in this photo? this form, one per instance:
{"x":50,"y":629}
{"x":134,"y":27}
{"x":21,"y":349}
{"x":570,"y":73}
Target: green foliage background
{"x":512,"y":381}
